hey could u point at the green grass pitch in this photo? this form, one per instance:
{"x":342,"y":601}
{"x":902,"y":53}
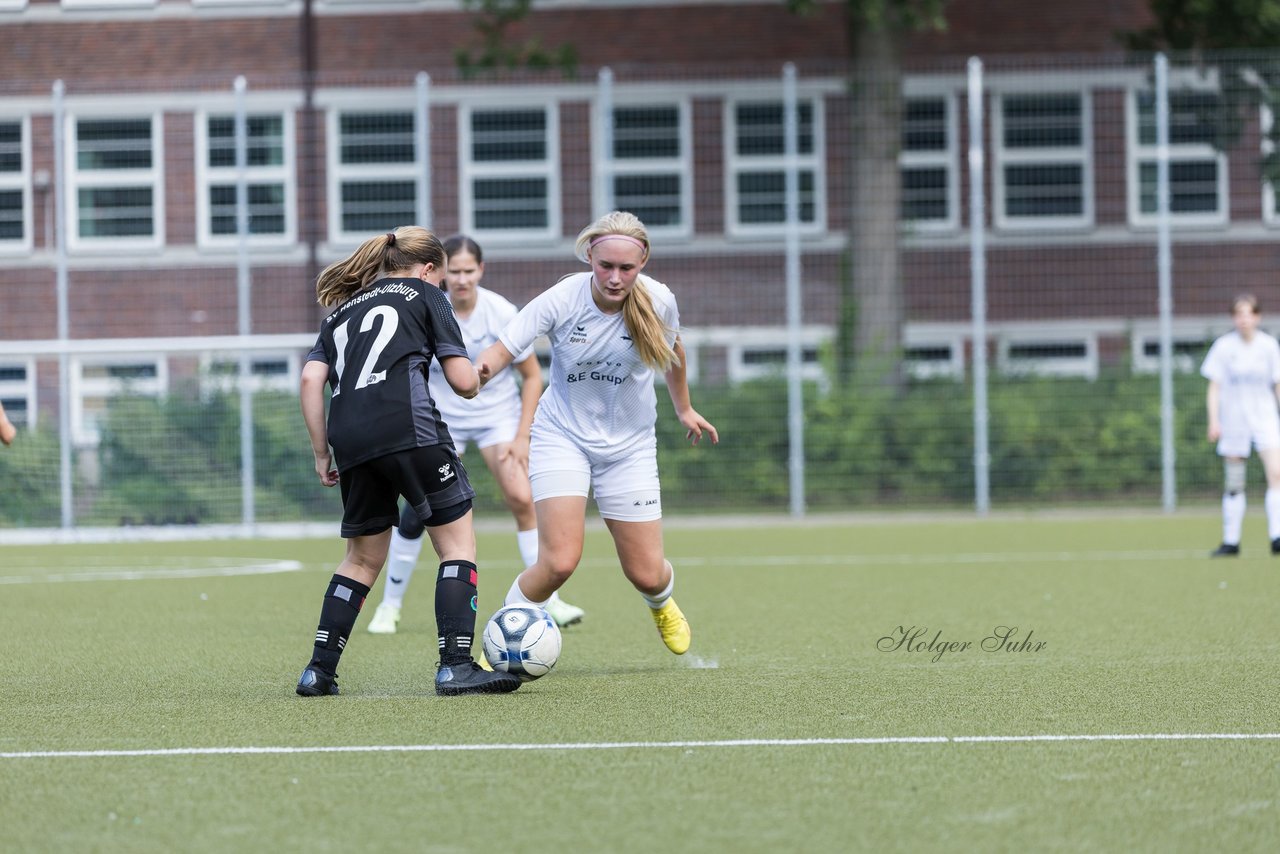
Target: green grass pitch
{"x":829,"y":701}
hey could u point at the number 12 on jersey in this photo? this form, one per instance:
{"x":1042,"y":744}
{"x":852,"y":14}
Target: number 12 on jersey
{"x":386,"y":331}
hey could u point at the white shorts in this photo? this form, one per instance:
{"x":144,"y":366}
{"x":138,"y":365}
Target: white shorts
{"x":1238,"y":443}
{"x":625,"y":489}
{"x":500,"y":431}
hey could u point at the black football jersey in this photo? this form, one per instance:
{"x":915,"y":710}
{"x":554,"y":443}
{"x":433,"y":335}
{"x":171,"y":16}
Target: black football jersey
{"x":378,"y":346}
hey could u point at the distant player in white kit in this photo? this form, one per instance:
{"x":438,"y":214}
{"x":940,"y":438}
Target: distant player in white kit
{"x":611,"y":330}
{"x":1243,"y":369}
{"x":497,"y":421}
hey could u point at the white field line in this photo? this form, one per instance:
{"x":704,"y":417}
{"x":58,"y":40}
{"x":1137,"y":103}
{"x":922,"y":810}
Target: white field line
{"x":241,"y":566}
{"x":641,"y":745}
{"x":942,"y":559}
{"x":219,"y":567}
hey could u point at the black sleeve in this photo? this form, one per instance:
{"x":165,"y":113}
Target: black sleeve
{"x":442,"y":326}
{"x":317,"y":352}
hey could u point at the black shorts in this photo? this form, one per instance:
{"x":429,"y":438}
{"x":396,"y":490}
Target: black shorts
{"x":430,"y":479}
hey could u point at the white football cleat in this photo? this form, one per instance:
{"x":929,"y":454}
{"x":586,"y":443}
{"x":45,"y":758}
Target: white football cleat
{"x":563,"y":613}
{"x":385,"y":619}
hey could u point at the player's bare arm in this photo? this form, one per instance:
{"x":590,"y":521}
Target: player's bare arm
{"x":517,"y":450}
{"x":495,"y":358}
{"x":311,"y":394}
{"x":7,"y":430}
{"x":678,"y":387}
{"x":1211,"y":404}
{"x":461,"y":376}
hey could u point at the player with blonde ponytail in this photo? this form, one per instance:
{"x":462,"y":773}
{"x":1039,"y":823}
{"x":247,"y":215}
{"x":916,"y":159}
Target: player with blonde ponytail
{"x":611,"y":330}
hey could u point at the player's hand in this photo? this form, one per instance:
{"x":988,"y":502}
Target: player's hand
{"x":7,"y":431}
{"x":324,"y":468}
{"x":695,"y":425}
{"x":516,"y":453}
{"x":1214,"y":432}
{"x":485,"y":372}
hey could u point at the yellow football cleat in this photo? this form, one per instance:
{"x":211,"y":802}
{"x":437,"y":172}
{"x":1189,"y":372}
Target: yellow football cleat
{"x":673,"y":627}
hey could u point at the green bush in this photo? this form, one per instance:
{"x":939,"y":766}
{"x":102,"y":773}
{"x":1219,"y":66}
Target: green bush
{"x":176,"y":460}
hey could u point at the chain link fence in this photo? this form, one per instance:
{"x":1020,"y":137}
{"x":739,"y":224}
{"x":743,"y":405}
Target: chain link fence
{"x":894,"y":294}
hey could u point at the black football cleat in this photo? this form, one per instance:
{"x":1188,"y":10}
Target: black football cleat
{"x":470,"y":678}
{"x":1275,"y":546}
{"x":317,"y":683}
{"x":1228,"y":550}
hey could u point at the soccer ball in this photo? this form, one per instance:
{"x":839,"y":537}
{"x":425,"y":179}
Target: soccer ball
{"x":522,"y":640}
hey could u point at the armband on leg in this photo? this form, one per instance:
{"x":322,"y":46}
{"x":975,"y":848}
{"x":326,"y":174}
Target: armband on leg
{"x":1233,"y":476}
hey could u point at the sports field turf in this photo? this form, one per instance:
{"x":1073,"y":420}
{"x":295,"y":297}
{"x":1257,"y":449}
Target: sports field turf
{"x":158,"y":714}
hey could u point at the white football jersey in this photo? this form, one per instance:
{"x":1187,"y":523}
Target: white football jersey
{"x":500,"y":397}
{"x":1246,"y":374}
{"x":600,"y":394}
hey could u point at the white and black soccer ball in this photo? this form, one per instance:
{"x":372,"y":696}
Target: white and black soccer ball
{"x":522,"y":640}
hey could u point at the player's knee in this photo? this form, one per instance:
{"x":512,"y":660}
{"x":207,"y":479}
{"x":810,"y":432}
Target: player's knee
{"x":1233,"y":476}
{"x":411,"y":526}
{"x":560,"y":567}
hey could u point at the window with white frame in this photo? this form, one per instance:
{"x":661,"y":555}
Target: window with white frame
{"x":267,"y":372}
{"x":650,"y":166}
{"x":1043,"y":173}
{"x":1270,"y":188}
{"x":756,"y":143}
{"x":115,"y":186}
{"x":1197,"y":171}
{"x":933,"y":356}
{"x":760,"y":361}
{"x":107,"y":4}
{"x":510,"y":186}
{"x":239,"y":2}
{"x":927,"y":161}
{"x":12,"y":5}
{"x":374,"y":172}
{"x":1049,"y":356}
{"x":268,"y":178}
{"x":18,"y":392}
{"x":95,"y":381}
{"x":15,"y":208}
{"x":1189,"y":349}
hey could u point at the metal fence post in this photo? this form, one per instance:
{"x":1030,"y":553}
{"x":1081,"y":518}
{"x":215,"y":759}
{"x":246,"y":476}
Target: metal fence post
{"x":1164,"y":268}
{"x":978,"y":290}
{"x":795,"y":388}
{"x":244,"y":308}
{"x":60,"y":263}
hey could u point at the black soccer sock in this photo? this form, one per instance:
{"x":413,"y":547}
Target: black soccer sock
{"x":338,"y":616}
{"x":456,"y":610}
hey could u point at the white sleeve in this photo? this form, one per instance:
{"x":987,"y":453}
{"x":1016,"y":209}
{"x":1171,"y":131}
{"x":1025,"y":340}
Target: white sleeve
{"x":505,"y":311}
{"x":531,"y":322}
{"x":1275,"y":362}
{"x":1211,"y":369}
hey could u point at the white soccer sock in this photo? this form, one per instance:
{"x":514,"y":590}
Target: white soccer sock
{"x":402,"y":559}
{"x":1272,"y":503}
{"x":527,"y":542}
{"x":657,"y":600}
{"x":515,"y":596}
{"x":1232,"y":517}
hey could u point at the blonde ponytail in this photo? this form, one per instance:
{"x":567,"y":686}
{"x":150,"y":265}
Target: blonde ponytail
{"x":647,"y":330}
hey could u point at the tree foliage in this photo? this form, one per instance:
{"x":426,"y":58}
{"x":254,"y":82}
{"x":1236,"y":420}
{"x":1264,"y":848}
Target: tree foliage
{"x":888,"y":16}
{"x":871,"y":314}
{"x":1239,"y":41}
{"x":498,"y":50}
